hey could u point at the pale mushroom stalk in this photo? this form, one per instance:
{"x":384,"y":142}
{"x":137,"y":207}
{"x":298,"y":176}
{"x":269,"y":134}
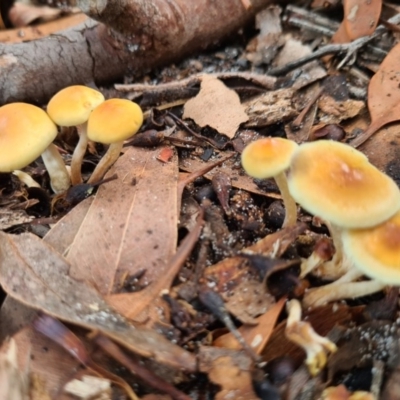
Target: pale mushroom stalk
{"x":288,"y":202}
{"x":322,"y":252}
{"x":79,"y":154}
{"x":334,"y":292}
{"x":106,"y":162}
{"x":329,"y":269}
{"x":270,"y":157}
{"x":59,"y":177}
{"x":72,"y":106}
{"x":302,"y":333}
{"x":26,"y":178}
{"x":338,"y":265}
{"x":112,"y":122}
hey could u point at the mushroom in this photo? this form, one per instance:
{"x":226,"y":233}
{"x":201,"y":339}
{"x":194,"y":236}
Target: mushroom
{"x":270,"y":158}
{"x":111,"y":123}
{"x":71,"y":107}
{"x":337,"y":183}
{"x":302,"y":333}
{"x":26,"y":132}
{"x":376,"y":251}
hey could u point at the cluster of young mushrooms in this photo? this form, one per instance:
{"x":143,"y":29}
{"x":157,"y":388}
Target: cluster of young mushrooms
{"x":28,"y":132}
{"x":360,"y":206}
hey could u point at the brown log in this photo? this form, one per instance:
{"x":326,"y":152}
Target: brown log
{"x":133,"y":37}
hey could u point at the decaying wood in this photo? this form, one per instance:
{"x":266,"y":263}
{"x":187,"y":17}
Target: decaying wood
{"x":134,"y":36}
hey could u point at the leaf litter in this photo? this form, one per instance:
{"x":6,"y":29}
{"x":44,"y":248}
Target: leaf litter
{"x":155,"y":273}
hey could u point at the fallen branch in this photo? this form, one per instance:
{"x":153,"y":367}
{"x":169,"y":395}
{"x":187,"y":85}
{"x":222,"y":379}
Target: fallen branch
{"x":145,"y":34}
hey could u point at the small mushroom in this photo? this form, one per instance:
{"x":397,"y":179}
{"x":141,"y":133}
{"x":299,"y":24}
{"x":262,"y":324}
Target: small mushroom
{"x":337,"y":183}
{"x":26,"y":133}
{"x":270,"y":158}
{"x":302,"y":333}
{"x":376,"y":251}
{"x":71,"y":107}
{"x":111,"y":123}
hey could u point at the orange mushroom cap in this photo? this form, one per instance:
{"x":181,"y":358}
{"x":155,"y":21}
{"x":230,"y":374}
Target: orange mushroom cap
{"x":267,"y":157}
{"x":72,"y":106}
{"x":376,"y":251}
{"x":115,"y":120}
{"x":336,"y":182}
{"x":25,"y":133}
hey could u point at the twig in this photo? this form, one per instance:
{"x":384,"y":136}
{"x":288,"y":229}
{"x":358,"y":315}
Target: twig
{"x":265,"y":81}
{"x":313,"y":22}
{"x":182,"y":125}
{"x":348,"y":48}
{"x":136,"y":368}
{"x":296,"y":124}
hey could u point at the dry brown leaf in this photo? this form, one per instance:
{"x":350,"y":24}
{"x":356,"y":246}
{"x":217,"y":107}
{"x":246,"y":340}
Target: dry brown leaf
{"x":383,"y":96}
{"x":132,"y":305}
{"x":216,"y":106}
{"x":33,"y":273}
{"x":340,"y":36}
{"x":229,"y":274}
{"x":29,"y":33}
{"x":334,"y":111}
{"x":131,"y":224}
{"x":256,"y":336}
{"x":230,"y":369}
{"x":46,"y":360}
{"x":21,"y":14}
{"x":248,"y":299}
{"x":361,"y":17}
{"x":62,"y":234}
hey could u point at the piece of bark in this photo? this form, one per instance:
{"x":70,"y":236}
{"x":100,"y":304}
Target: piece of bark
{"x":34,"y":71}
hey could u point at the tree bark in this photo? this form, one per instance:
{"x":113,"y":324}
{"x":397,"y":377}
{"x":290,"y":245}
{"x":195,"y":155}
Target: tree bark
{"x":133,"y":36}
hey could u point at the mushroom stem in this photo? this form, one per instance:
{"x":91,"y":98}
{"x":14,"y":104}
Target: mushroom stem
{"x":302,"y":333}
{"x":106,"y":162}
{"x":26,"y":178}
{"x":59,"y":178}
{"x":343,"y":288}
{"x":288,"y":202}
{"x":338,"y":265}
{"x":78,"y":155}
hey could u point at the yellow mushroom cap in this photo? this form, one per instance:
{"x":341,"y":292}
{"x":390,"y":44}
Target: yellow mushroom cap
{"x":72,"y":106}
{"x":114,"y":120}
{"x":267,"y":157}
{"x":336,"y":182}
{"x":25,"y":133}
{"x":376,"y":251}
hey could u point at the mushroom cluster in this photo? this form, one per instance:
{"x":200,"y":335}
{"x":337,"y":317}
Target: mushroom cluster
{"x":359,"y":204}
{"x":26,"y":132}
{"x":361,"y":207}
{"x":105,"y":121}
